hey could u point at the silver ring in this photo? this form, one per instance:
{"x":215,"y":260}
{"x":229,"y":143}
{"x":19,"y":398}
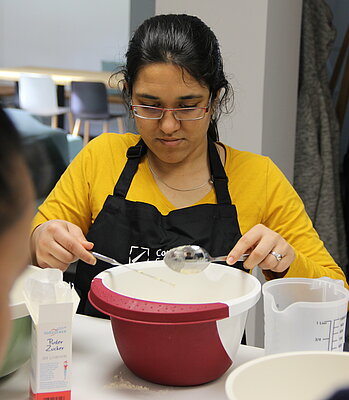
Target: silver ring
{"x":278,"y":256}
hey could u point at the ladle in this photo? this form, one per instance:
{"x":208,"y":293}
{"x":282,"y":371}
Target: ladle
{"x":112,"y":261}
{"x":192,"y":259}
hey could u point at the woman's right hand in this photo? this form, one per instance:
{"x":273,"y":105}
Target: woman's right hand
{"x":58,"y":243}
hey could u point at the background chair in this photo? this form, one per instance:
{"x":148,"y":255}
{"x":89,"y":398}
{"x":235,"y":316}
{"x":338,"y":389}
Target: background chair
{"x":48,"y":150}
{"x":113,"y":66}
{"x":89,"y":101}
{"x":38,"y":95}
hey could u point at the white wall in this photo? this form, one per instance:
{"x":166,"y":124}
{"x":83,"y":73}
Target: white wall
{"x":259,"y":42}
{"x":73,"y":34}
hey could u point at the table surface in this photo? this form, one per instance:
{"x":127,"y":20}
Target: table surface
{"x":99,"y":373}
{"x":60,"y":76}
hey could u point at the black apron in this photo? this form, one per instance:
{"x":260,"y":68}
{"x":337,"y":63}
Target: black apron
{"x":134,"y":231}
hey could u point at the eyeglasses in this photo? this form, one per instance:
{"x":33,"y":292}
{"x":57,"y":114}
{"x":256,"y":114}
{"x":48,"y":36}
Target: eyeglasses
{"x":181,"y":114}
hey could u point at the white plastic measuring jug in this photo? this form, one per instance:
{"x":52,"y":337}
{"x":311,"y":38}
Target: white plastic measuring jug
{"x":304,"y":314}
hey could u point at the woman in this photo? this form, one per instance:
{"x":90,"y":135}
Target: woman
{"x":16,"y":213}
{"x":134,"y":199}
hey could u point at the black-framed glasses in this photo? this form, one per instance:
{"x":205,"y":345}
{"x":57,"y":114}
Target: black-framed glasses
{"x":181,"y":114}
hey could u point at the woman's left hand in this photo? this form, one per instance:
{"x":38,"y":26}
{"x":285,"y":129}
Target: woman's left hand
{"x":267,"y":249}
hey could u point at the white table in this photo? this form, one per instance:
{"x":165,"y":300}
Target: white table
{"x":100,"y":374}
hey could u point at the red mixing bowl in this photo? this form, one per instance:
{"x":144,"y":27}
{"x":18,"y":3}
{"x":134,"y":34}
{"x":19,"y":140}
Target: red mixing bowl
{"x":176,"y":329}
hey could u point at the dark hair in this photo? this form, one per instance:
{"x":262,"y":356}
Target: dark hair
{"x":12,"y":201}
{"x":185,"y":41}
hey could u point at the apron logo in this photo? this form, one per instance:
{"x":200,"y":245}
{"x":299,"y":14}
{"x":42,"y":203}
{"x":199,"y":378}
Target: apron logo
{"x":138,"y":253}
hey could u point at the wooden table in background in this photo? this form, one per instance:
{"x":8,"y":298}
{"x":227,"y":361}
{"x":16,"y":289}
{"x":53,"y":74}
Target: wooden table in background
{"x":61,"y":77}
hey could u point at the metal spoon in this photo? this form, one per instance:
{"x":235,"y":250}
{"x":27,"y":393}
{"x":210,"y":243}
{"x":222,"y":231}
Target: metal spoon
{"x":112,"y":261}
{"x":191,"y":259}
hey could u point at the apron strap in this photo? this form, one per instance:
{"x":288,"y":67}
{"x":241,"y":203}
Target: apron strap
{"x":134,"y":155}
{"x":219,"y":177}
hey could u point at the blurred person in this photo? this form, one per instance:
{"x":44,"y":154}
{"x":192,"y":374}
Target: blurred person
{"x":16,"y":213}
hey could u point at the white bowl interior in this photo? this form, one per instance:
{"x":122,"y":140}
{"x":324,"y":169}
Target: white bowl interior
{"x":217,"y":283}
{"x":290,"y":376}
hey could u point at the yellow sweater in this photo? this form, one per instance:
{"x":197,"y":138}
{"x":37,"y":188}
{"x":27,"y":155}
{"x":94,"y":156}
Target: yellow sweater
{"x":260,"y":192}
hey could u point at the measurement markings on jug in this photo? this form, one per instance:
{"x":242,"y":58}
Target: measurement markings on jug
{"x":337,"y":333}
{"x":326,"y":327}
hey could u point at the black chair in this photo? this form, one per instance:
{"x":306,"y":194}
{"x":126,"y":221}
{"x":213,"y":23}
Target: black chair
{"x":88,"y":102}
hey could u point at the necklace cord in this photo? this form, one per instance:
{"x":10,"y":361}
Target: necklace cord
{"x":177,"y":189}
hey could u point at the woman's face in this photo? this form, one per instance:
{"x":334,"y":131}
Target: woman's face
{"x":14,"y":250}
{"x":168,"y":86}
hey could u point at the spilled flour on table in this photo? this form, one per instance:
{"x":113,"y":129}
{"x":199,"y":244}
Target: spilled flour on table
{"x":120,"y":382}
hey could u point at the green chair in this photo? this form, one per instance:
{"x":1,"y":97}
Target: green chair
{"x":48,"y":151}
{"x":28,"y":125}
{"x":112,"y":66}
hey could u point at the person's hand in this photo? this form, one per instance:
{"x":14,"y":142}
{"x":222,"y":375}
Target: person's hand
{"x":267,"y":249}
{"x":57,"y":243}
